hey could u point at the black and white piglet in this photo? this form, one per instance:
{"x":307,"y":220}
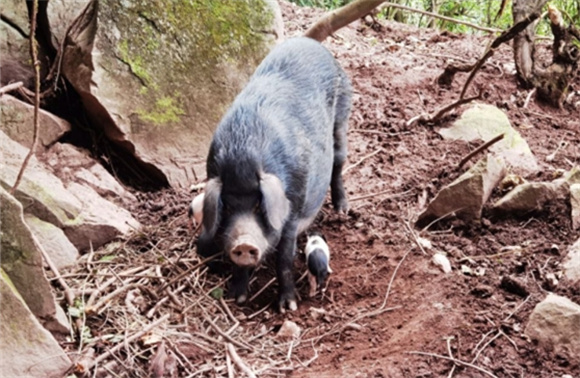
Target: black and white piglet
{"x":317,"y":260}
{"x":274,"y":154}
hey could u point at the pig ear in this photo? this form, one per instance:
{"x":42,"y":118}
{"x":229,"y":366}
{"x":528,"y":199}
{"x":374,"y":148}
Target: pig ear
{"x":276,"y":205}
{"x":212,"y":205}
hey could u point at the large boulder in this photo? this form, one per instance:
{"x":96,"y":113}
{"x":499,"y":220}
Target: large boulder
{"x":466,"y":196}
{"x":14,"y":43}
{"x":26,"y":348}
{"x":54,"y":242}
{"x":482,"y":121}
{"x":22,"y":259}
{"x":554,"y":323}
{"x":85,"y":217}
{"x":18,"y":120}
{"x":72,"y":163}
{"x":157,"y":76}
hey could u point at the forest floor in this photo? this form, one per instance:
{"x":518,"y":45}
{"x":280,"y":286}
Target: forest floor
{"x":385,"y":300}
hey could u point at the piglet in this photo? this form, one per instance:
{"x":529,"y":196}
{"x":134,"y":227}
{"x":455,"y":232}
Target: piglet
{"x":317,"y":260}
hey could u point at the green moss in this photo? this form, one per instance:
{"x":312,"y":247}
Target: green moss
{"x":164,"y":111}
{"x":162,"y":42}
{"x":134,"y":61}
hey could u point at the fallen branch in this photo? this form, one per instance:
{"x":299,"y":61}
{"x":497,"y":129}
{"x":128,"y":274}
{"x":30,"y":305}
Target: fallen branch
{"x":438,"y":16}
{"x":441,"y":112}
{"x":504,"y":37}
{"x":456,"y":361}
{"x":362,"y":160}
{"x":372,"y":195}
{"x":343,"y":16}
{"x":479,"y":149}
{"x":128,"y":340}
{"x":226,"y":336}
{"x":36,"y":64}
{"x":239,"y":362}
{"x":10,"y":87}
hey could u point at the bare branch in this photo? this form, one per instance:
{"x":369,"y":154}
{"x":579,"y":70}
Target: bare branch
{"x":36,"y":64}
{"x":479,"y":149}
{"x":10,"y":87}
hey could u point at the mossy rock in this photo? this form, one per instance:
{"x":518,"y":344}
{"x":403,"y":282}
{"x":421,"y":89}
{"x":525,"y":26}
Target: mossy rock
{"x":164,"y":72}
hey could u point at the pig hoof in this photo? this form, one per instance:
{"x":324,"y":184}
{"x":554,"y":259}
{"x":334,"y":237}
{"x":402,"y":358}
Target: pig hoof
{"x":341,"y":206}
{"x":241,"y":298}
{"x":289,"y":304}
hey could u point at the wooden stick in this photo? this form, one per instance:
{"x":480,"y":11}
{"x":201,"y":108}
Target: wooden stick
{"x":351,"y":200}
{"x":441,"y":112}
{"x":10,"y":87}
{"x":362,"y":160}
{"x":436,"y":15}
{"x":239,"y":362}
{"x":36,"y":64}
{"x":479,"y":149}
{"x":231,"y":373}
{"x":504,"y":37}
{"x":455,"y":361}
{"x":130,"y":339}
{"x":226,"y":336}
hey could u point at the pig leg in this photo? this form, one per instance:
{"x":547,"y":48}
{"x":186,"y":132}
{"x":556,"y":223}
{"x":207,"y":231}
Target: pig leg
{"x":284,"y":271}
{"x":239,"y":283}
{"x":337,"y":192}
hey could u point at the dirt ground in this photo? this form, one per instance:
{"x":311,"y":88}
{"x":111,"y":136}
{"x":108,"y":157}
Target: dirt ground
{"x":387,"y":311}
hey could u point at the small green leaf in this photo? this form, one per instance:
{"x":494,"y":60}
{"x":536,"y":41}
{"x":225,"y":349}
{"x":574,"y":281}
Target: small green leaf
{"x":75,"y":312}
{"x":217,"y":293}
{"x":107,"y":258}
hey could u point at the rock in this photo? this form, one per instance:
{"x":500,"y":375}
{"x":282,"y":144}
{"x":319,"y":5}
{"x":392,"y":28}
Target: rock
{"x":514,"y":286}
{"x":528,"y":197}
{"x":84,"y":216}
{"x":572,"y":263}
{"x":54,"y":242}
{"x":575,"y":205}
{"x":289,"y":330}
{"x":17,"y":123}
{"x":485,"y":122}
{"x":27,"y":349}
{"x":71,"y":163}
{"x":156,"y":77}
{"x":467,"y":194}
{"x":14,"y":44}
{"x":533,"y":196}
{"x":99,"y":222}
{"x":554,"y":324}
{"x":442,"y":262}
{"x":22,"y":259}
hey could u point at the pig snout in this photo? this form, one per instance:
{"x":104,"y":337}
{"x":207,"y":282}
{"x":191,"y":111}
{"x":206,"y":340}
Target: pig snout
{"x":247,"y":242}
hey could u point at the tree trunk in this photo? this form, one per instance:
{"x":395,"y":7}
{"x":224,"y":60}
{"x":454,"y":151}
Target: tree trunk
{"x":524,"y":41}
{"x":552,"y":83}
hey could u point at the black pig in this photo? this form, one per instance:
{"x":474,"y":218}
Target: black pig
{"x":273,"y":156}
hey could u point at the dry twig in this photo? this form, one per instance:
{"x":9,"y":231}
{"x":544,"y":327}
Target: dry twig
{"x":427,"y":118}
{"x":36,"y":64}
{"x":456,"y":361}
{"x":479,"y":149}
{"x":129,"y":340}
{"x":10,"y":87}
{"x":239,"y":362}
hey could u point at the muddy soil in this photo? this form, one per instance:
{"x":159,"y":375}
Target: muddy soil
{"x":399,"y":310}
